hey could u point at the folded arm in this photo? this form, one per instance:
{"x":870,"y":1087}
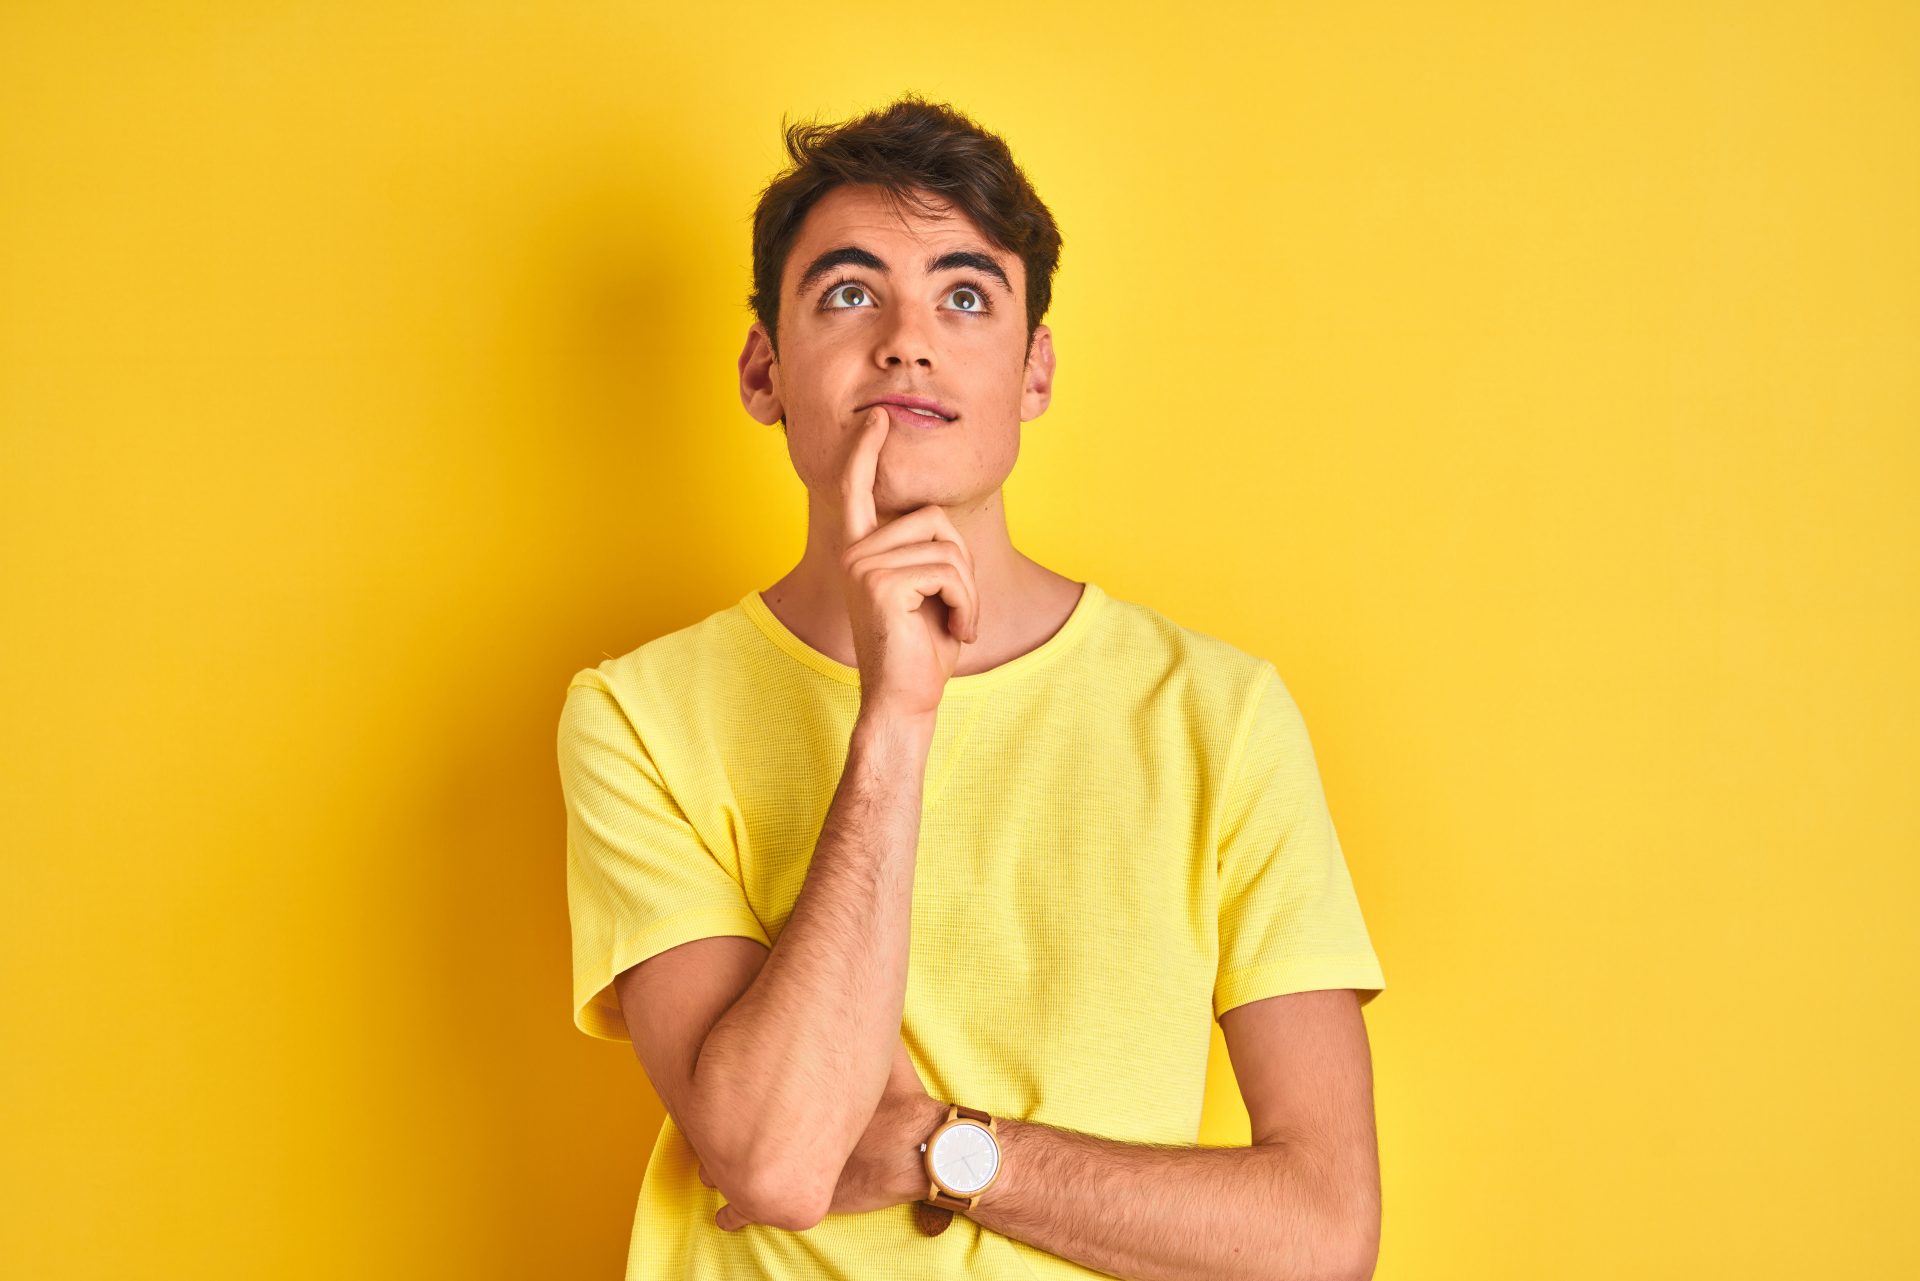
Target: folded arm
{"x":1301,"y":1203}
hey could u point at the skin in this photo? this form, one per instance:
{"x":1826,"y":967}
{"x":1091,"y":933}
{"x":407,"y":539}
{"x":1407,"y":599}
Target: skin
{"x":907,"y":332}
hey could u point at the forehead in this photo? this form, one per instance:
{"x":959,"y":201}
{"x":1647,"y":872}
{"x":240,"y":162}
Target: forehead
{"x":902,"y":233}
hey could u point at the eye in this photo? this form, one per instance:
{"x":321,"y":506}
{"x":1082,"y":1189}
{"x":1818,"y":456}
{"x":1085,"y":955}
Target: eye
{"x":844,"y":287}
{"x":853,"y":296}
{"x":980,"y":304}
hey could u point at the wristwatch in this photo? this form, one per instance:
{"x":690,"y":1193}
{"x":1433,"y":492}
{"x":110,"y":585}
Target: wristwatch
{"x":962,"y":1159}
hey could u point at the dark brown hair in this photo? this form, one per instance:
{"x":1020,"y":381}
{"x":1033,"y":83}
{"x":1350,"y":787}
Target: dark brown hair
{"x":906,"y":148}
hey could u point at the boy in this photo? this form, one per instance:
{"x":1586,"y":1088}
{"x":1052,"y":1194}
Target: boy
{"x":916,"y":879}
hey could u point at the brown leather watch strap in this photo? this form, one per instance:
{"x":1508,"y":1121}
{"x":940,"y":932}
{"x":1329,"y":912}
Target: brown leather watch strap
{"x":932,"y":1220}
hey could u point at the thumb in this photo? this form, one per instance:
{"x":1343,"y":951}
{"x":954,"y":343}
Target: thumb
{"x":730,"y":1219}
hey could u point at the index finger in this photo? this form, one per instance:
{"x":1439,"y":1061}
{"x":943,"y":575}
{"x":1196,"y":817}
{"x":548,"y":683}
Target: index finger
{"x":859,"y":518}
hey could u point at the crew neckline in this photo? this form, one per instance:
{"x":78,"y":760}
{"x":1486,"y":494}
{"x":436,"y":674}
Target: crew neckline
{"x":1084,"y":609}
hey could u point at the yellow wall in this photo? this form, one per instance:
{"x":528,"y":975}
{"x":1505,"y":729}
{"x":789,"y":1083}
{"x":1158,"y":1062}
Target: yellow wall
{"x":1535,"y":385}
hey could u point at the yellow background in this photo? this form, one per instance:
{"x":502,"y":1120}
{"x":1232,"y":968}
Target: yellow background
{"x":1537,"y":386}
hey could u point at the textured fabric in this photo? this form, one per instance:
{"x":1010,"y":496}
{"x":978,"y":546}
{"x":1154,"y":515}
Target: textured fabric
{"x":1123,"y":835}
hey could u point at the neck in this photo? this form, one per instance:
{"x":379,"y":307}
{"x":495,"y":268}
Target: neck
{"x":1021,"y":601}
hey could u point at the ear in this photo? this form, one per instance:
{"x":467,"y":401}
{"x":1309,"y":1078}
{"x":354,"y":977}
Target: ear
{"x":760,"y":378}
{"x":1037,"y":394}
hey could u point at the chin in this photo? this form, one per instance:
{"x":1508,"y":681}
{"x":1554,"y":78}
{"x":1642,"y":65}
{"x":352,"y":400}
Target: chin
{"x":887,"y":504}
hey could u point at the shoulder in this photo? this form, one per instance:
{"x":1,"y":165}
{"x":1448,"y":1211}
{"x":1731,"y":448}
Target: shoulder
{"x":673,"y":676}
{"x":1169,"y":657}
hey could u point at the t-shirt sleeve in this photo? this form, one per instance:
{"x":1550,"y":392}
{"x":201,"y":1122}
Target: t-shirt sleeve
{"x":1289,"y":918}
{"x":640,"y":879}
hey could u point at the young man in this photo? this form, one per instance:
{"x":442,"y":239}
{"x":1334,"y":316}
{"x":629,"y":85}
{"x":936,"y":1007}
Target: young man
{"x":929,"y":844}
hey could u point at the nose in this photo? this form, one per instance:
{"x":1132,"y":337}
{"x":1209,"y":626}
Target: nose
{"x":905,"y":342}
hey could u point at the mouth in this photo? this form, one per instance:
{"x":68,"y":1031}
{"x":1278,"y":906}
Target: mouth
{"x":914,"y":411}
{"x":907,"y":416}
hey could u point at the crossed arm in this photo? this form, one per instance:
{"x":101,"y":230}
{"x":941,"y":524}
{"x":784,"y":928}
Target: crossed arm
{"x":730,"y":1032}
{"x":1302,"y":1203}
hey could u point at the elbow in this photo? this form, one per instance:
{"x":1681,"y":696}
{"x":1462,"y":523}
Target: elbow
{"x":1343,"y":1241}
{"x":764,"y":1194}
{"x":1357,"y":1254}
{"x":773,"y":1189}
{"x":766,"y":1186}
{"x":781,"y":1198}
{"x":1360,"y":1265}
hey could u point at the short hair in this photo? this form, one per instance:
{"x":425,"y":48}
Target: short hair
{"x":905,"y":148}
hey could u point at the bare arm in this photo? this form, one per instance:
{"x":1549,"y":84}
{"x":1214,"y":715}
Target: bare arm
{"x":797,"y":1065}
{"x":812,"y":1038}
{"x":1302,"y":1203}
{"x":1150,"y":1212}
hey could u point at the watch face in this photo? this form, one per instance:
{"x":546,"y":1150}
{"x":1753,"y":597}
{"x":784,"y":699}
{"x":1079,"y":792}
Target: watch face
{"x":965,"y":1157}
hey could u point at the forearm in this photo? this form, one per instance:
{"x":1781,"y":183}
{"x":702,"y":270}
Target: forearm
{"x":1149,"y":1212}
{"x":813,"y":1035}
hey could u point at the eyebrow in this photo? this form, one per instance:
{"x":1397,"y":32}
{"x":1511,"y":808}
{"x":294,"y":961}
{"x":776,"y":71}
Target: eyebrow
{"x":855,"y":256}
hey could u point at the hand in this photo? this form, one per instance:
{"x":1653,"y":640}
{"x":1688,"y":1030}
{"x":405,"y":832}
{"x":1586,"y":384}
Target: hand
{"x":885,"y":1167}
{"x":909,"y":585}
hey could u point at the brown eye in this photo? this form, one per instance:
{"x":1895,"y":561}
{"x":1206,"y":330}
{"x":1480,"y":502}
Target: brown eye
{"x":841,"y":291}
{"x":976,"y":298}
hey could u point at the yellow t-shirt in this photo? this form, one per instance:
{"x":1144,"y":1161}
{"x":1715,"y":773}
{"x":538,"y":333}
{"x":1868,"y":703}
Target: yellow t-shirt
{"x":1122,"y":836}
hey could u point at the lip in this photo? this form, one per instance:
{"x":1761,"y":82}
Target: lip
{"x":899,"y":405}
{"x":905,"y":417}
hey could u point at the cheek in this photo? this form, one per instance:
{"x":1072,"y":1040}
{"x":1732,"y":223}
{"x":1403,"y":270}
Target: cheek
{"x":1002,"y":450}
{"x":803,"y":452}
{"x":986,"y":457}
